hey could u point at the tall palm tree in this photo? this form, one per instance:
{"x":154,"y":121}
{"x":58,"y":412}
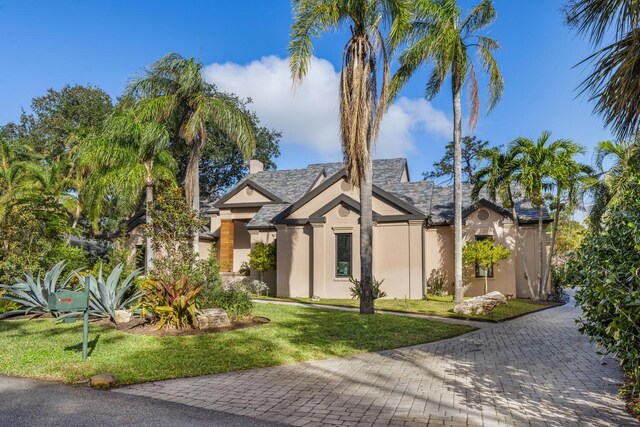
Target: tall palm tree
{"x":623,"y":172}
{"x":127,"y":160}
{"x":497,"y":176}
{"x":441,"y":36}
{"x":173,"y":91}
{"x":614,"y":82}
{"x":535,"y":162}
{"x":361,"y":107}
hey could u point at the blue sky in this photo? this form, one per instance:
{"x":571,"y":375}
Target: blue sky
{"x":244,"y":45}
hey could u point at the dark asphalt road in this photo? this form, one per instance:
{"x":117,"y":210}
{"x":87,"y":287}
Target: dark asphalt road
{"x":35,"y":403}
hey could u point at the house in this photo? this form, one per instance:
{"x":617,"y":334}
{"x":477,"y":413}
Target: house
{"x":313,"y":216}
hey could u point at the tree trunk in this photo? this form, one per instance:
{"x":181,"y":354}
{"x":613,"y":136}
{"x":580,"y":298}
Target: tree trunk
{"x":366,"y":237}
{"x":516,"y":223}
{"x":457,"y":187}
{"x":540,"y":250}
{"x":486,"y":281}
{"x":192,"y":183}
{"x":148,"y":242}
{"x":554,"y":231}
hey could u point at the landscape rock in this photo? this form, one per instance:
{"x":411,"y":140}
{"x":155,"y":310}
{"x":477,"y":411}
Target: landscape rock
{"x":123,"y":316}
{"x":212,"y":318}
{"x":480,"y":305}
{"x":102,"y":381}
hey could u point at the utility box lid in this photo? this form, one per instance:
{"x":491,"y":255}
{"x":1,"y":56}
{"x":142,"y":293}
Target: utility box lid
{"x":67,"y":301}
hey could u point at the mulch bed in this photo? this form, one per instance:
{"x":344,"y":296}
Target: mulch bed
{"x":141,"y":326}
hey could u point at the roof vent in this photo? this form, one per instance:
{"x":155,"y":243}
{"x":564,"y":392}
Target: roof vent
{"x":255,"y":166}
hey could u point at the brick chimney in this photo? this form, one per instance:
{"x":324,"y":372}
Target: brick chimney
{"x":255,"y":166}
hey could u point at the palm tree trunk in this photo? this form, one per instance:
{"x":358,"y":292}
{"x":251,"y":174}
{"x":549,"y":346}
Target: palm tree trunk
{"x":192,"y":183}
{"x":457,"y":187}
{"x":366,"y":237}
{"x":525,"y":264}
{"x":149,"y":244}
{"x":554,"y":231}
{"x":540,"y":250}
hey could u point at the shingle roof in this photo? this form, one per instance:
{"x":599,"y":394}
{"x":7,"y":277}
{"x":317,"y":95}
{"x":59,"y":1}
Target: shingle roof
{"x":433,"y":201}
{"x":442,"y":205}
{"x":264,"y":216}
{"x":290,"y":184}
{"x":385,"y":171}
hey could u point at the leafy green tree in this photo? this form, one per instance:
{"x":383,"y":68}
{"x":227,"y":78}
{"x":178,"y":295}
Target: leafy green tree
{"x":569,"y":237}
{"x":361,"y":107}
{"x":263,"y":257}
{"x":173,"y":91}
{"x":60,"y":119}
{"x":441,"y":36}
{"x":484,"y":254}
{"x":471,"y":147}
{"x":127,"y":160}
{"x":614,"y":82}
{"x":539,"y":166}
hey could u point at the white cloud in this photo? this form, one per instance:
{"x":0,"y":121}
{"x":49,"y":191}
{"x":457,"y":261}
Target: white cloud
{"x":308,"y":116}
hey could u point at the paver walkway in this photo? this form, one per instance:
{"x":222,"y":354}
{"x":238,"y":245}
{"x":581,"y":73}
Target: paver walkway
{"x":535,"y":370}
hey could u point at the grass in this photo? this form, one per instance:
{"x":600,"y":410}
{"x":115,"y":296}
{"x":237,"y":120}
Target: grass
{"x":47,"y":350}
{"x":436,"y":306}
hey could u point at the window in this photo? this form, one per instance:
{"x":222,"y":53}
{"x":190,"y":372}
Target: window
{"x":480,"y":271}
{"x":343,"y":255}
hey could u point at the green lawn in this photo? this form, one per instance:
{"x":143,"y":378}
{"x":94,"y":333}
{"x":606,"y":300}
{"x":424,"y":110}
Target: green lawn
{"x":48,"y":350}
{"x":436,"y":306}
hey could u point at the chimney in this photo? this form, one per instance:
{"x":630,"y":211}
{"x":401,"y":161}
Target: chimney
{"x":255,"y":166}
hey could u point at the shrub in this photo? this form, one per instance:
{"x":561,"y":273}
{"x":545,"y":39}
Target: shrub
{"x":558,"y":283}
{"x":106,"y":295}
{"x":171,"y":302}
{"x":32,"y":295}
{"x":236,"y":302}
{"x":263,"y":257}
{"x":356,"y":290}
{"x":606,"y":272}
{"x":437,"y":284}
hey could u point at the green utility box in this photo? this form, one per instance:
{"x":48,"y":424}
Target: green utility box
{"x":68,"y":301}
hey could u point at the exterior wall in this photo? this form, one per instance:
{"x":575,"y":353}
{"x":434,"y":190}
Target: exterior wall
{"x":529,"y":235}
{"x":397,"y":258}
{"x":508,"y":274}
{"x":500,"y":229}
{"x":294,"y":261}
{"x":204,"y":248}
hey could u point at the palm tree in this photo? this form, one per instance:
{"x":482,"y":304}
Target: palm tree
{"x":173,"y":91}
{"x":614,"y":81}
{"x":441,"y":36}
{"x":127,"y":160}
{"x":570,"y":179}
{"x":612,"y":182}
{"x":535,"y":163}
{"x":497,"y":176}
{"x":361,"y":109}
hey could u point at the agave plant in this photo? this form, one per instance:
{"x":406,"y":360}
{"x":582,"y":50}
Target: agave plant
{"x":106,"y":295}
{"x":32,"y":296}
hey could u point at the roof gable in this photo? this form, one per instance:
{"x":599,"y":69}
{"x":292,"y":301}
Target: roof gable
{"x":267,"y":196}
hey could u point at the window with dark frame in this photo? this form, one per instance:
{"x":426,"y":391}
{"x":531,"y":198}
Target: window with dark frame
{"x":343,"y":255}
{"x":481,"y":270}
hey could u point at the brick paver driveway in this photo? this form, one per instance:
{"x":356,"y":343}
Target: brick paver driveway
{"x":535,"y":370}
